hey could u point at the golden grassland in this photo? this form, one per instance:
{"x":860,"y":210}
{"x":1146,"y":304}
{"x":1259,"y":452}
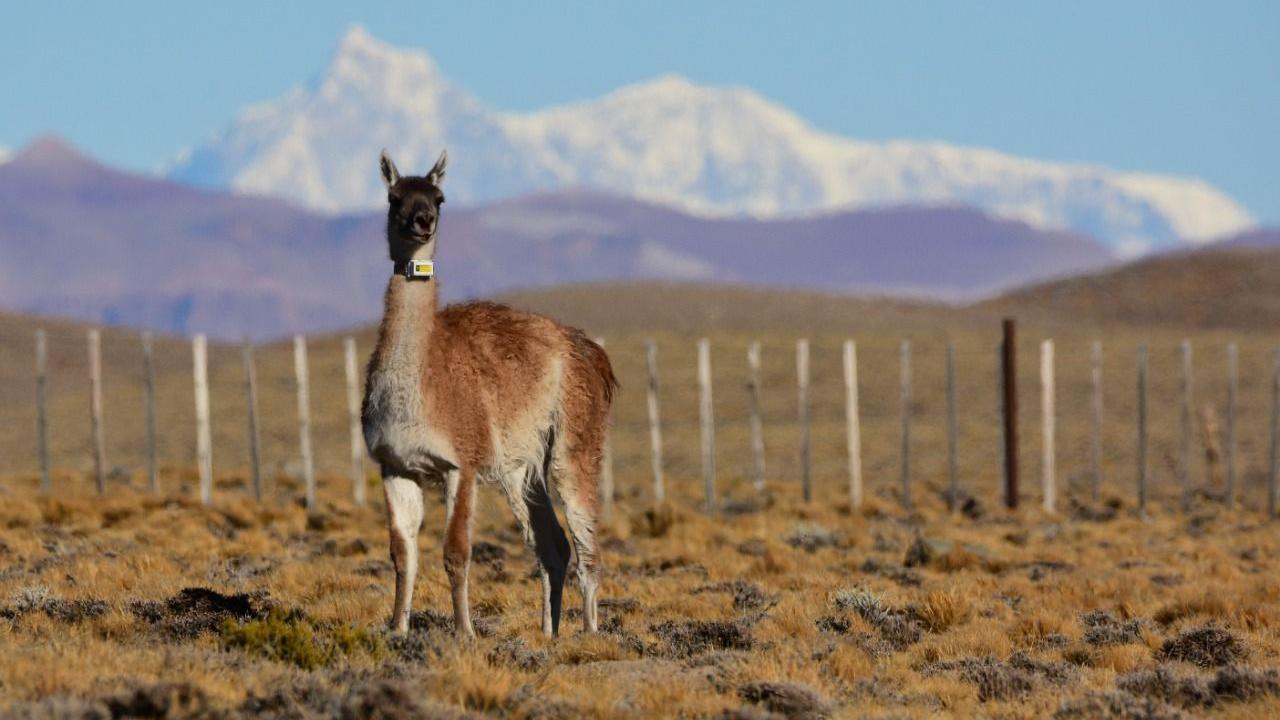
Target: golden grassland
{"x":879,"y":612}
{"x":770,"y":606}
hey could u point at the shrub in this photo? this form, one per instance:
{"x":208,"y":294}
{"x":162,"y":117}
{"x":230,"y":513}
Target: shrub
{"x":1206,"y":646}
{"x":290,"y":637}
{"x":860,"y":600}
{"x":1103,"y":628}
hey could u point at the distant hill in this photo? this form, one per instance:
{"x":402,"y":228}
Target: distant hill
{"x":1265,"y":237}
{"x":696,"y":307}
{"x":85,"y":241}
{"x":1235,"y":286}
{"x":938,"y":253}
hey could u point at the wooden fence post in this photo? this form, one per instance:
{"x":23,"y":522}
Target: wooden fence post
{"x":706,"y":414}
{"x":1142,"y":430}
{"x":204,"y":442}
{"x":1009,"y":385}
{"x":1233,"y":381}
{"x":149,"y":408}
{"x":353,"y":421}
{"x":802,"y":382}
{"x":606,"y":466}
{"x":1047,"y":413}
{"x":251,"y":401}
{"x":1187,"y":420}
{"x":304,"y":418}
{"x":95,"y":409}
{"x":953,"y":448}
{"x":655,"y":424}
{"x":1273,"y":487}
{"x":1096,"y":444}
{"x":905,"y":381}
{"x":42,"y":410}
{"x":757,"y":427}
{"x":853,"y":423}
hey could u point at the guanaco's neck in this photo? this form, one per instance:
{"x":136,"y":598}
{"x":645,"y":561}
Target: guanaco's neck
{"x":408,"y":319}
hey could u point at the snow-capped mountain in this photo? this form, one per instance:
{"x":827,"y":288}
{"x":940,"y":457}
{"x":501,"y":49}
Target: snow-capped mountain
{"x":5,"y":154}
{"x":319,"y":145}
{"x":713,"y":151}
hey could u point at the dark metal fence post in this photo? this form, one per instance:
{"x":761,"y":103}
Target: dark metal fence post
{"x":1009,"y":367}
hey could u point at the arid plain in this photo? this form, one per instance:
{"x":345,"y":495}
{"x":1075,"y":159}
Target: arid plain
{"x":150,"y":605}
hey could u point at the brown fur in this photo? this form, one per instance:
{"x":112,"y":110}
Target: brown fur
{"x":480,"y":359}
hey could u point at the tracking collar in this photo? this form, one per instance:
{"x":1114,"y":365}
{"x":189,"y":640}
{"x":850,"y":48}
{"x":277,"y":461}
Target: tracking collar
{"x":416,"y":269}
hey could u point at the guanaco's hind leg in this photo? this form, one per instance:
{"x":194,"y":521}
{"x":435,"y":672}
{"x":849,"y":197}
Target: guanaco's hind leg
{"x":526,"y":492}
{"x":404,"y":518}
{"x":576,"y":473}
{"x":552,"y":548}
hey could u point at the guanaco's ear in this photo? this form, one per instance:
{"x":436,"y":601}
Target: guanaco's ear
{"x":390,"y":175}
{"x":436,"y":176}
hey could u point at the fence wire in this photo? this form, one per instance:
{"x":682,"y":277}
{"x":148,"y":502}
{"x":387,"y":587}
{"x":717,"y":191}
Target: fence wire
{"x":979,"y":463}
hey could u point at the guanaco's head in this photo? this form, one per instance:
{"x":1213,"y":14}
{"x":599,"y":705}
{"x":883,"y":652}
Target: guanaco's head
{"x":413,"y":210}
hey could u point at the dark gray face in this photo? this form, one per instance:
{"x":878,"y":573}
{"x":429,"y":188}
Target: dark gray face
{"x":413,"y":213}
{"x":413,"y":208}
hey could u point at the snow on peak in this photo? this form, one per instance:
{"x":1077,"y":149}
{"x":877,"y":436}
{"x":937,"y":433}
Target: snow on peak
{"x":358,"y":39}
{"x":319,"y":144}
{"x":664,"y":88}
{"x":705,"y":149}
{"x":363,"y":60}
{"x":5,"y":155}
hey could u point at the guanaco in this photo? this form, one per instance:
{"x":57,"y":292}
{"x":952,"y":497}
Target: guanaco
{"x":480,"y":392}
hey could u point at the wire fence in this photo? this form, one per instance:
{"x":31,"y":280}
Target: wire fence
{"x":1170,"y":421}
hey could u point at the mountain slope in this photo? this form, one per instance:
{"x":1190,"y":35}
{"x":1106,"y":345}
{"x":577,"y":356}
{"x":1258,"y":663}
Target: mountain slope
{"x":949,"y":253}
{"x":718,"y":151}
{"x":82,"y":240}
{"x":1264,"y":237}
{"x":1211,"y":288}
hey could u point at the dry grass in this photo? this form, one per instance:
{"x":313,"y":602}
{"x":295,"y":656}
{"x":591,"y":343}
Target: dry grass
{"x":943,"y":609}
{"x":712,"y":615}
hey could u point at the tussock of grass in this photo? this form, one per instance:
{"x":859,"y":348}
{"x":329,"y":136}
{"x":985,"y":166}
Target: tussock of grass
{"x":1207,"y":604}
{"x":1040,"y":629}
{"x":943,"y":609}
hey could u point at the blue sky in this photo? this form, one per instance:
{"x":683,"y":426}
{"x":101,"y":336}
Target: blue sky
{"x":1181,"y":87}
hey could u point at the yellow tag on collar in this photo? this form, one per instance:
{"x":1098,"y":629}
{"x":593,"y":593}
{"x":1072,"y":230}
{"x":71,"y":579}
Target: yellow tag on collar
{"x":420,"y":269}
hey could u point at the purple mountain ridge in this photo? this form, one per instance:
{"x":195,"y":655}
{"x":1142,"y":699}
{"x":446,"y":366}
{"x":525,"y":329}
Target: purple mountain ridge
{"x":1260,"y":238}
{"x":80,"y":239}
